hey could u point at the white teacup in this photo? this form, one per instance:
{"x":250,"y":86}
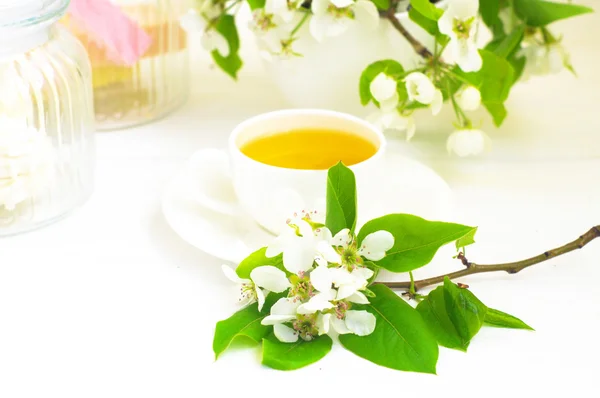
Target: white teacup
{"x":235,"y":184}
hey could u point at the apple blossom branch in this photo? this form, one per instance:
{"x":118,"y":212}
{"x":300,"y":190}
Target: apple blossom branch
{"x":419,"y":48}
{"x":511,"y":268}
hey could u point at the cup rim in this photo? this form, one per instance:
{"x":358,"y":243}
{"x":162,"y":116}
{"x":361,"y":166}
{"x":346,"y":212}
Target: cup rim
{"x":234,"y":149}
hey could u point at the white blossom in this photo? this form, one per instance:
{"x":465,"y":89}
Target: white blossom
{"x":262,"y":280}
{"x":211,"y":40}
{"x":468,"y":142}
{"x":469,"y":98}
{"x":283,"y":311}
{"x":421,"y":89}
{"x":374,"y":245}
{"x":361,"y":323}
{"x":333,"y":17}
{"x":459,"y":22}
{"x":544,"y":59}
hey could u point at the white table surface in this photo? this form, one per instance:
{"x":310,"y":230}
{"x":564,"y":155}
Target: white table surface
{"x":110,"y":302}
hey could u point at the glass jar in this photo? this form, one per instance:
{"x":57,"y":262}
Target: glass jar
{"x":132,"y":93}
{"x":46,"y":116}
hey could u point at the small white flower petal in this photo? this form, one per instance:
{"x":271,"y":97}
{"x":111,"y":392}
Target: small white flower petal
{"x":362,"y":273}
{"x":328,"y":252}
{"x":278,"y":244}
{"x":337,"y":26}
{"x":319,"y":7}
{"x":321,"y":278}
{"x":358,"y":298}
{"x":317,"y":303}
{"x":466,"y":54}
{"x":463,"y":9}
{"x":285,"y":306}
{"x":323,"y":321}
{"x":361,"y":323}
{"x":213,"y":40}
{"x":366,"y":14}
{"x":390,"y":104}
{"x":438,"y":101}
{"x":469,"y":98}
{"x":376,"y":244}
{"x":341,"y":3}
{"x":339,"y":326}
{"x":345,"y":291}
{"x":260,"y":297}
{"x":270,"y":278}
{"x":300,"y":256}
{"x":321,"y":262}
{"x":342,"y":238}
{"x":383,"y":87}
{"x":232,"y":276}
{"x":323,"y":234}
{"x":341,"y":276}
{"x":192,"y":22}
{"x":285,"y":334}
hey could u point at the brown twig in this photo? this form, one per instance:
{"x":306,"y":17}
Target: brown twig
{"x":511,"y":268}
{"x":419,"y":48}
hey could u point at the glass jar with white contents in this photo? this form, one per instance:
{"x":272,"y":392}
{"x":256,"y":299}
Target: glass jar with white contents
{"x":46,"y":116}
{"x":139,"y":57}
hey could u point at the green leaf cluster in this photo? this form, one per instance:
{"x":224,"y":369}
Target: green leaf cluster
{"x":454,"y":316}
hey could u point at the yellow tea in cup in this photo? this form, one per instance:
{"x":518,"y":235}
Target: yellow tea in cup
{"x":309,"y":149}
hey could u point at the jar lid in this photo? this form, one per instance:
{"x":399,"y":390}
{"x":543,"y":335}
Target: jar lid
{"x":23,"y":13}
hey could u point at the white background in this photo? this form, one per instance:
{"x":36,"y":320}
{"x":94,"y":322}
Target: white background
{"x":111,"y":302}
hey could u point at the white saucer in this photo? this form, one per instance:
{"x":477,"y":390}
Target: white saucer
{"x":409,"y":187}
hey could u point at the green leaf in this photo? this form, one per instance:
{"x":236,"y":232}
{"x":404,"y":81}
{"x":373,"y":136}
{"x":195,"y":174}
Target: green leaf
{"x":497,"y":111}
{"x":244,"y":325}
{"x":427,"y":9}
{"x":401,"y":339}
{"x":434,"y":313}
{"x":467,"y":239}
{"x":290,"y":356}
{"x":510,"y":43}
{"x":541,"y":13}
{"x":430,"y":26}
{"x":232,"y":63}
{"x":382,"y":4}
{"x":254,"y":4}
{"x":258,"y":259}
{"x":464,"y":310}
{"x":387,"y":66}
{"x":416,"y":240}
{"x":341,"y":199}
{"x":503,"y":320}
{"x":518,"y":64}
{"x":490,"y":10}
{"x":494,"y":79}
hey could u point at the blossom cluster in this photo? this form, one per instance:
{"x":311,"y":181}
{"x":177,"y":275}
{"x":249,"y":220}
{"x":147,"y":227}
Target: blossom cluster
{"x":276,"y":24}
{"x":325,"y":276}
